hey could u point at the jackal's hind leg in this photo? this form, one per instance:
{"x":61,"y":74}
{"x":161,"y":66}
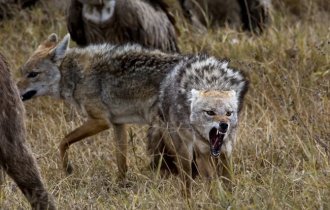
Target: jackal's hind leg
{"x":89,"y":128}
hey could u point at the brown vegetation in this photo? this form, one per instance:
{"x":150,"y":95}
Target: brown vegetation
{"x":281,"y":160}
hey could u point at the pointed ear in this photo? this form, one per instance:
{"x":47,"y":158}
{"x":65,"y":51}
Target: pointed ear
{"x":58,"y":53}
{"x":49,"y":43}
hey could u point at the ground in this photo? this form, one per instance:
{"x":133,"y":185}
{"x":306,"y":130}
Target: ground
{"x":281,"y":160}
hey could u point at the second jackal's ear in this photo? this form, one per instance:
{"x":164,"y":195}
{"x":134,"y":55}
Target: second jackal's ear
{"x":58,"y":53}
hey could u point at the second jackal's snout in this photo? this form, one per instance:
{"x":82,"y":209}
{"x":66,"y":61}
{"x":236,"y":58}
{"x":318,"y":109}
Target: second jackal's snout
{"x":214,"y":113}
{"x":216,"y":137}
{"x":223,"y":127}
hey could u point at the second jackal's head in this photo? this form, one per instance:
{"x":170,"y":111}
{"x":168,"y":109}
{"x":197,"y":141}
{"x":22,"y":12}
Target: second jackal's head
{"x":214,"y":115}
{"x":40,"y":75}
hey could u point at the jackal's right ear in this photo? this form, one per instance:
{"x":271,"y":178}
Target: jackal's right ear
{"x":58,"y":53}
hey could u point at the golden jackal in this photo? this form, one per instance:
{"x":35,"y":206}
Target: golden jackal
{"x":196,"y":97}
{"x":199,"y":103}
{"x":113,"y":85}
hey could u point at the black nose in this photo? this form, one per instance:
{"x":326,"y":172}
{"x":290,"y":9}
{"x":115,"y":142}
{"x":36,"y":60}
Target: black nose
{"x":28,"y":95}
{"x":223,"y":127}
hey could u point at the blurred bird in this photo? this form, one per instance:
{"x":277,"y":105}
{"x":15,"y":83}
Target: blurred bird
{"x":147,"y":22}
{"x":251,"y":15}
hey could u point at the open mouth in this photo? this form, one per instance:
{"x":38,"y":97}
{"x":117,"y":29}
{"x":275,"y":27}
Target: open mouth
{"x":216,"y":140}
{"x":28,"y":95}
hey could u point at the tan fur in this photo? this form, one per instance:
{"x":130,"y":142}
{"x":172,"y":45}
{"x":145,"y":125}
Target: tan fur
{"x":104,"y":103}
{"x":42,"y":51}
{"x":197,"y":149}
{"x":212,"y":93}
{"x":184,"y":98}
{"x":196,"y":131}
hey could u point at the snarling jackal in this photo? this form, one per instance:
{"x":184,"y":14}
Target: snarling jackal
{"x":193,"y":99}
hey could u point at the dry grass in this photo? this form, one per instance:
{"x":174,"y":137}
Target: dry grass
{"x":281,"y":159}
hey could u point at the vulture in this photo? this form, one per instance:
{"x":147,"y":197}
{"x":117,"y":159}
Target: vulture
{"x":146,"y":22}
{"x":250,"y":15}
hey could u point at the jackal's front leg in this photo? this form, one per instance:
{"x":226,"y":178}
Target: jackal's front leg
{"x":120,"y":135}
{"x":205,"y":167}
{"x":184,"y":158}
{"x":225,"y":170}
{"x":185,"y":173}
{"x":89,"y":128}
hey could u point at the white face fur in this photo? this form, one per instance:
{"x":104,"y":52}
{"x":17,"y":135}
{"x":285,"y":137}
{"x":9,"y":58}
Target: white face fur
{"x":213,"y":114}
{"x":99,"y":16}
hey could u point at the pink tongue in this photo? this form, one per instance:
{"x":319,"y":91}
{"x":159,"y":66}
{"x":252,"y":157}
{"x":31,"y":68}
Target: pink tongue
{"x":216,"y":139}
{"x":216,"y":143}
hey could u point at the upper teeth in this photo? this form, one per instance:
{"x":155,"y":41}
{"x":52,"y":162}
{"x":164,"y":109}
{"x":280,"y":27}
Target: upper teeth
{"x":219,"y":132}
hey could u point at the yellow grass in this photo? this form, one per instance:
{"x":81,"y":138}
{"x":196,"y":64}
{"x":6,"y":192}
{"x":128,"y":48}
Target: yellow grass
{"x":282,"y":155}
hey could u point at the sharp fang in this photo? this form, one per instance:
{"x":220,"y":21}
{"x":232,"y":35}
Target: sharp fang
{"x":218,"y":132}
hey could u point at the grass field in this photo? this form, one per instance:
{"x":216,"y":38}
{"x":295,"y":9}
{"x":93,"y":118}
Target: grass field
{"x":282,"y":156}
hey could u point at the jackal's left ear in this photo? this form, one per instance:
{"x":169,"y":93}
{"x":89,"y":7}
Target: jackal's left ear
{"x":58,"y":53}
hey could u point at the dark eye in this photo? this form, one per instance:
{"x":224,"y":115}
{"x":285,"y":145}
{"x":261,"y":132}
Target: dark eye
{"x":210,"y":113}
{"x":228,"y":113}
{"x":32,"y":74}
